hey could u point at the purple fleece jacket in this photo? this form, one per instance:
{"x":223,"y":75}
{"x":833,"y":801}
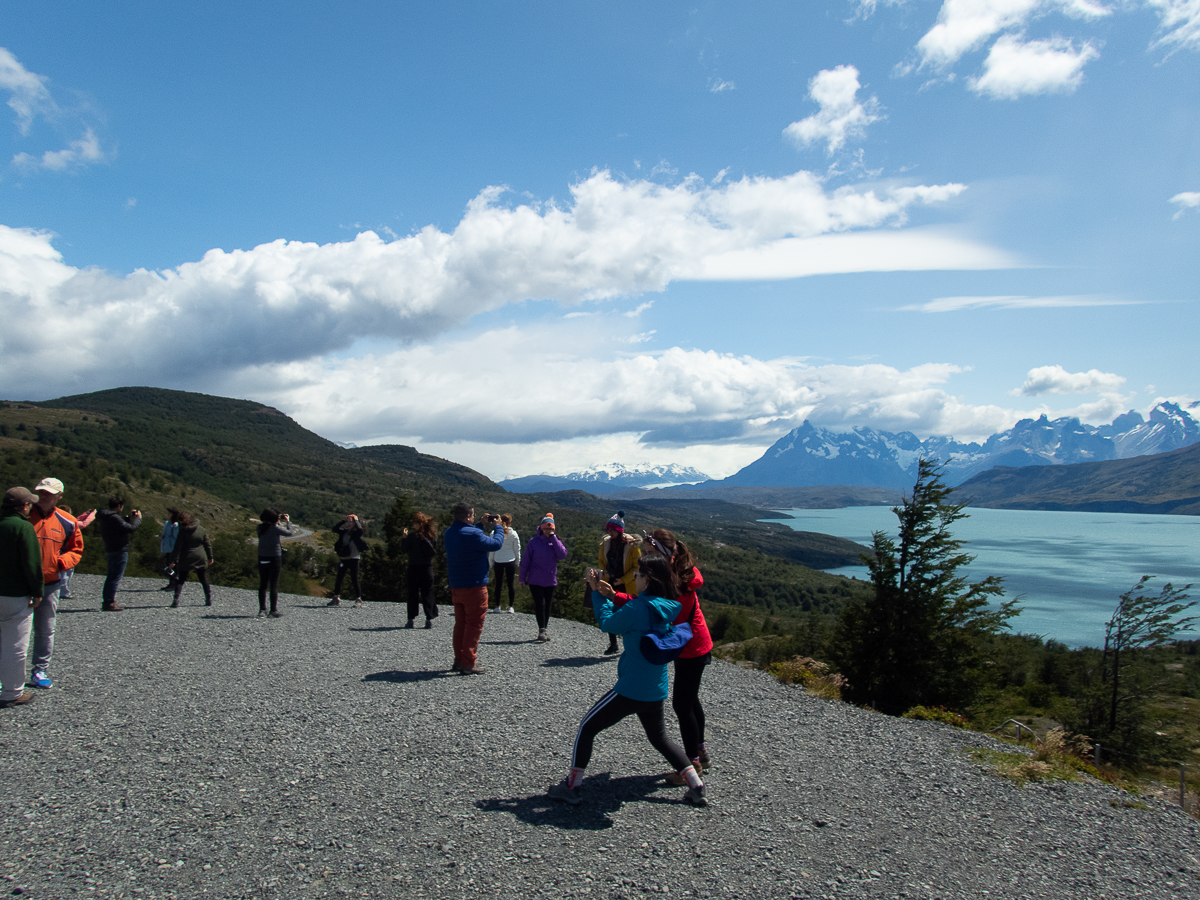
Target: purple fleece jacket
{"x":539,"y":562}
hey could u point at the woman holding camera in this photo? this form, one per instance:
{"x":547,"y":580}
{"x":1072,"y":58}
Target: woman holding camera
{"x":504,"y":563}
{"x":348,"y":545}
{"x":641,"y":685}
{"x":192,"y":551}
{"x":272,"y":526}
{"x":539,"y":570}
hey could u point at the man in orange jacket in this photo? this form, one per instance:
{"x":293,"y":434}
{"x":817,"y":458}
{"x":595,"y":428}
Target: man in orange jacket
{"x":62,"y":547}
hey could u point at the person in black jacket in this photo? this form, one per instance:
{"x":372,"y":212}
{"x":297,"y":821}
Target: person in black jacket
{"x":419,"y":545}
{"x":348,"y":545}
{"x":117,"y":532}
{"x":193,"y":551}
{"x":272,"y":526}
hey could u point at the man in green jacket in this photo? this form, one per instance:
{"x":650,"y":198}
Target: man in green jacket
{"x":20,"y":591}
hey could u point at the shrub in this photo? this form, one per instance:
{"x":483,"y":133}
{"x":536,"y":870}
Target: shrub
{"x":937,"y":714}
{"x":814,"y":676}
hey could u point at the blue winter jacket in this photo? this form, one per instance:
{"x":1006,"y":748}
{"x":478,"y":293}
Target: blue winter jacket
{"x":637,"y":677}
{"x":467,"y":549}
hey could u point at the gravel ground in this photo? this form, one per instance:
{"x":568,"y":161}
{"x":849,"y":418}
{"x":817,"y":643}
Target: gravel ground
{"x":200,"y":752}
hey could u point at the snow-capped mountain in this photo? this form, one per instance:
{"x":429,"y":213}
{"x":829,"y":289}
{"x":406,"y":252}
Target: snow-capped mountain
{"x":809,"y":455}
{"x":606,"y":479}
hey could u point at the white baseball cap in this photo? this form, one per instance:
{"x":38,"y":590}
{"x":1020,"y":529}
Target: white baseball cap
{"x":50,"y":486}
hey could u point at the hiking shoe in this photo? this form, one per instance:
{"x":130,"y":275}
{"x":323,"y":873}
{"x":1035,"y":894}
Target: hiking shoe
{"x":40,"y":680}
{"x":511,"y":610}
{"x":358,"y":603}
{"x":543,"y":636}
{"x":334,"y":602}
{"x":275,"y":614}
{"x":429,"y":623}
{"x":457,"y":667}
{"x":566,"y":794}
{"x":675,"y":778}
{"x":473,"y":670}
{"x":26,"y":697}
{"x":696,"y":797}
{"x":112,"y":607}
{"x":410,"y":623}
{"x":262,"y":613}
{"x":703,"y":759}
{"x":612,"y":648}
{"x":167,"y":587}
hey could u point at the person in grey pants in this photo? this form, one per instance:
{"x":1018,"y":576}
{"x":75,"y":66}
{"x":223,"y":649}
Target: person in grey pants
{"x":20,"y":592}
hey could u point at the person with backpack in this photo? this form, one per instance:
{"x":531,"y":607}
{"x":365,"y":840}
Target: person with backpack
{"x":641,"y":684}
{"x":348,"y":544}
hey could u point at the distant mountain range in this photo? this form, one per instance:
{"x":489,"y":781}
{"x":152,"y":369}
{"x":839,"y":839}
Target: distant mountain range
{"x":609,"y":479}
{"x":809,"y":455}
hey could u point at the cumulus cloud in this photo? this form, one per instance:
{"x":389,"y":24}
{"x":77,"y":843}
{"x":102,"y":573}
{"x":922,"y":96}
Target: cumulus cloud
{"x":291,"y":300}
{"x":964,"y":26}
{"x":1015,"y":67}
{"x":1179,"y":23}
{"x":1057,"y":380}
{"x":1185,"y":201}
{"x":718,"y":85}
{"x":841,"y":116}
{"x":1015,"y":301}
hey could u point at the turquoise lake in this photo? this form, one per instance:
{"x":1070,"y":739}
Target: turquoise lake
{"x":1068,"y":569}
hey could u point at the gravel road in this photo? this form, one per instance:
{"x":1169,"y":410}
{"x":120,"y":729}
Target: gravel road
{"x":201,"y":752}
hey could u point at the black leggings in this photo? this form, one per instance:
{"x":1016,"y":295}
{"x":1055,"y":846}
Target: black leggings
{"x":181,"y":575}
{"x":686,"y":700}
{"x":268,"y":579}
{"x":501,"y":571}
{"x":543,"y":603}
{"x":344,"y":566}
{"x":611,"y":709}
{"x":420,"y":593}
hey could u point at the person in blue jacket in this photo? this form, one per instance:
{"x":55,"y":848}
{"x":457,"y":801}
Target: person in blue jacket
{"x":641,"y":685}
{"x":467,"y":549}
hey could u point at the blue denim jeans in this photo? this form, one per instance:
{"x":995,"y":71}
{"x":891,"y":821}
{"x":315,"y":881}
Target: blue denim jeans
{"x":116,"y":571}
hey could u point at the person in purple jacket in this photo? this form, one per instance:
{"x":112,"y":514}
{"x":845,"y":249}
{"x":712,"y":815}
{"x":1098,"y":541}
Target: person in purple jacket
{"x":539,"y":570}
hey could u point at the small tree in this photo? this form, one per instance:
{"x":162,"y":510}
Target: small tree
{"x":384,"y":568}
{"x":917,"y":640}
{"x":1141,"y":622}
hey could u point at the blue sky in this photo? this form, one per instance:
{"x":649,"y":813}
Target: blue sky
{"x":535,"y":237}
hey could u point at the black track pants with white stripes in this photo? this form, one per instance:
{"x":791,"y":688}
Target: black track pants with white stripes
{"x":611,"y":709}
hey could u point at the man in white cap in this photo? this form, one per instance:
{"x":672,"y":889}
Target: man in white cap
{"x":62,"y":547}
{"x":20,"y":592}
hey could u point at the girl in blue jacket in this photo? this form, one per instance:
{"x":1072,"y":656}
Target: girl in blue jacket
{"x":641,"y":685}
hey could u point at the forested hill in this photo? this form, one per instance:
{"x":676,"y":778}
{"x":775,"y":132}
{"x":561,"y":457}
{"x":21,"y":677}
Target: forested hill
{"x":255,"y":456}
{"x":1162,"y":483}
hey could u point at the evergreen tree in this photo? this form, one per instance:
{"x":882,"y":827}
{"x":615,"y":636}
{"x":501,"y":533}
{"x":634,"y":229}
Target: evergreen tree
{"x":917,"y":638}
{"x":384,"y":569}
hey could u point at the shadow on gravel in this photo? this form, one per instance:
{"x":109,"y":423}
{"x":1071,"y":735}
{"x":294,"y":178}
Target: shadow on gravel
{"x":602,"y":795}
{"x":386,"y":628}
{"x":509,"y":643}
{"x":229,"y":616}
{"x":578,"y":662}
{"x":397,"y":677}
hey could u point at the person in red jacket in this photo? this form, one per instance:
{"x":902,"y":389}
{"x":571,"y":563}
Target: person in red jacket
{"x":697,"y":653}
{"x":61,"y":542}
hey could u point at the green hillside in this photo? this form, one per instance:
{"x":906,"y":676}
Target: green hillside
{"x":226,"y":459}
{"x":1162,"y":483}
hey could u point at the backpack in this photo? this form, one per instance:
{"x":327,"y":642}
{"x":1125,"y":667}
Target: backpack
{"x":663,"y":648}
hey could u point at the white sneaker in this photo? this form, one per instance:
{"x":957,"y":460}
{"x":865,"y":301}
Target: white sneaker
{"x":511,"y":610}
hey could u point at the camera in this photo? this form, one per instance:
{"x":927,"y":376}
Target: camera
{"x":491,"y":517}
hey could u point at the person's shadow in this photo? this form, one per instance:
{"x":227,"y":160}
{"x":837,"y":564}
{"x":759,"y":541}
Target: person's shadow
{"x":395,"y":676}
{"x":602,"y":795}
{"x":577,"y":662}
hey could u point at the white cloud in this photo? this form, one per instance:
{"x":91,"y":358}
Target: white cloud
{"x":841,"y":116}
{"x":1057,"y":380}
{"x":1185,"y":201}
{"x":81,"y":152}
{"x":28,"y":98}
{"x":291,"y":300}
{"x":1015,"y":67}
{"x":1010,"y":301}
{"x":1179,"y":22}
{"x":28,"y":95}
{"x":718,"y":85}
{"x":966,"y":25}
